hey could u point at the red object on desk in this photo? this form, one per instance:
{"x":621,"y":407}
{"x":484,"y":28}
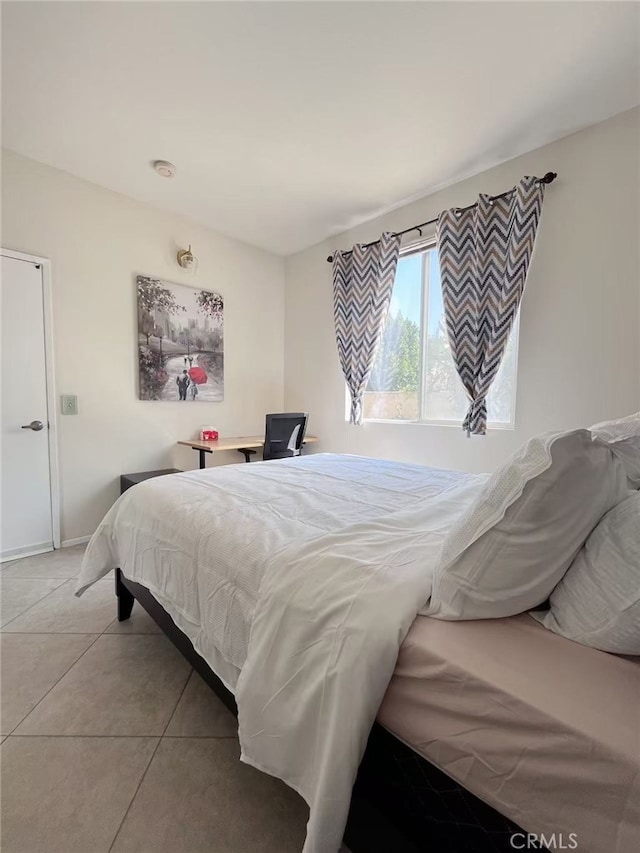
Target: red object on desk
{"x":209,"y":435}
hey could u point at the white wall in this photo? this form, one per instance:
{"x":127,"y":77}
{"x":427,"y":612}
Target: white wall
{"x":579,"y":357}
{"x":579,"y":336}
{"x":98,"y":241}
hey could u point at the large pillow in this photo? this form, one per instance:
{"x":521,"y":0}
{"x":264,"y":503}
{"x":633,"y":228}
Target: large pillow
{"x":597,"y":602}
{"x":510,"y":548}
{"x":623,"y":437}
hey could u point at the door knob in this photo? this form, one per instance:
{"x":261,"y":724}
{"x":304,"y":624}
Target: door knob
{"x":36,"y":426}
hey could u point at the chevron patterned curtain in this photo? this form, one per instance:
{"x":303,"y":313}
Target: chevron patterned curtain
{"x":362,"y":286}
{"x":484,"y":254}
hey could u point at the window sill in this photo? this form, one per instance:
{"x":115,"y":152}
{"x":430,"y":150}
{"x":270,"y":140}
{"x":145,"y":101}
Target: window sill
{"x":454,"y":424}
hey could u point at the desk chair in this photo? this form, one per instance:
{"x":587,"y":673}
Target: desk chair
{"x":283,"y":436}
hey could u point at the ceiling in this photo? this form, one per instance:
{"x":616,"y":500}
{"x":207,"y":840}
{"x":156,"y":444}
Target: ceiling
{"x":290,"y":122}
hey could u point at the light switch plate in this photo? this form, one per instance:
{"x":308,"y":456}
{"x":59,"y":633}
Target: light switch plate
{"x":69,"y":404}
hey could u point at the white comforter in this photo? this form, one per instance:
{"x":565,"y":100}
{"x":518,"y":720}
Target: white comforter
{"x":304,"y":576}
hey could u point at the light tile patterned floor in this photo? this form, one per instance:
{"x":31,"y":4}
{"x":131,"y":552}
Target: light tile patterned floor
{"x":114,"y":744}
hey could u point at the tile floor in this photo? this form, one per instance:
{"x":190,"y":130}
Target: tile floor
{"x":110,"y":742}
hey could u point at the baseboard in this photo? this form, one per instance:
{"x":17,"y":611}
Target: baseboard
{"x":81,"y":540}
{"x":27,"y":551}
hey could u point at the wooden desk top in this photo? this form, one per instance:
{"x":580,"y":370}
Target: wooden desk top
{"x":234,"y":443}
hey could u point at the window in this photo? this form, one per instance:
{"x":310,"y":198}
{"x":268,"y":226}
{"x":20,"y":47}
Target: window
{"x":414,"y":377}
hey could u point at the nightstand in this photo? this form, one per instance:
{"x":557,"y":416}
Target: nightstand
{"x":128,"y":480}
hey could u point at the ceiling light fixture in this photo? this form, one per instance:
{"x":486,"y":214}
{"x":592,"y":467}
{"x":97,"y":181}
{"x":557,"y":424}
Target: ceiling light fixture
{"x":164,"y":168}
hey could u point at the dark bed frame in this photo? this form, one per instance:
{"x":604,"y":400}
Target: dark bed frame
{"x":400,"y":803}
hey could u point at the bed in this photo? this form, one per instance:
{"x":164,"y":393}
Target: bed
{"x":200,"y":551}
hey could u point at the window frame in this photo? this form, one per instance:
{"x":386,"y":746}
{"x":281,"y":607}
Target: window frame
{"x":423,"y":246}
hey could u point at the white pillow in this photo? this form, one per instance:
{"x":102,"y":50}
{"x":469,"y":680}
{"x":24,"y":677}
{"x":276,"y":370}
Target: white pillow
{"x":508,"y":551}
{"x":597,"y":602}
{"x":623,"y":437}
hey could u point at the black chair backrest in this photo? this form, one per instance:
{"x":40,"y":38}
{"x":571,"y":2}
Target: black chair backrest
{"x":284,"y":434}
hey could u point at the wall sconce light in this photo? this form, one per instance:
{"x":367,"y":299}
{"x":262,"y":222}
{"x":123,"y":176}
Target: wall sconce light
{"x":187,"y":260}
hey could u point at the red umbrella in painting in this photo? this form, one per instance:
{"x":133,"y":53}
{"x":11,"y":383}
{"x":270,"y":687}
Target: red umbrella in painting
{"x":198,"y":375}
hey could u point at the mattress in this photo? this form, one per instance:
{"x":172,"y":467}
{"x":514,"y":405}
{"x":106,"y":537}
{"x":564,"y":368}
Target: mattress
{"x":542,"y":729}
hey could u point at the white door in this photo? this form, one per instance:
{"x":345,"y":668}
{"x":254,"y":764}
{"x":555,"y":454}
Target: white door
{"x":26,"y":525}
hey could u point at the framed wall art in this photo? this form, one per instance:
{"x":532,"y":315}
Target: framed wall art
{"x":180,"y":342}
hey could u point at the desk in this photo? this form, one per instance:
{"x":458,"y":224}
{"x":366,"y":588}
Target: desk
{"x":236,"y":443}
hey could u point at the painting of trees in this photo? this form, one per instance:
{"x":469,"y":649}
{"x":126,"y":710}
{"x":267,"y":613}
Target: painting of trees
{"x":180,"y":333}
{"x":210,"y":303}
{"x":152,"y":294}
{"x":152,"y":297}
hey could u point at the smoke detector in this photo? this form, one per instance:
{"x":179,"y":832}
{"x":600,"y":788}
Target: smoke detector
{"x":164,"y":168}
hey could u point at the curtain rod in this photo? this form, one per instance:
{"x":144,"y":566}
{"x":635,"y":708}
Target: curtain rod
{"x":547,"y":179}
